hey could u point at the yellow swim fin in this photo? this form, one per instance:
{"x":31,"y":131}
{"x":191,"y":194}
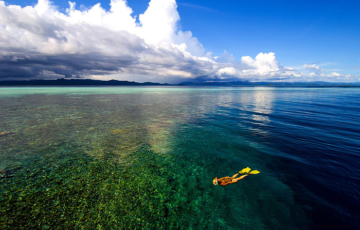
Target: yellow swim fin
{"x":254,"y":172}
{"x":245,"y":170}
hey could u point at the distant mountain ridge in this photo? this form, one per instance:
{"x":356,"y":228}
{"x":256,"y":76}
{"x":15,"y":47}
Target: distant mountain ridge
{"x":272,"y":84}
{"x":89,"y":82}
{"x":79,"y":82}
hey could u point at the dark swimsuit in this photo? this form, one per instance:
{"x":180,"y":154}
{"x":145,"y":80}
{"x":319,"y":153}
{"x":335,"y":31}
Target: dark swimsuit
{"x":226,"y":179}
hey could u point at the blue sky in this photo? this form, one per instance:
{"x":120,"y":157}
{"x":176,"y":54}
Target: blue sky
{"x":297,"y":31}
{"x":310,"y":37}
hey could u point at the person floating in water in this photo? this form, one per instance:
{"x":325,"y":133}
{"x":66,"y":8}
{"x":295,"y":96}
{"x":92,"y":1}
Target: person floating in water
{"x":230,"y":180}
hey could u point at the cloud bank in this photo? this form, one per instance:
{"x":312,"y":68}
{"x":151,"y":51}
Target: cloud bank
{"x":41,"y":42}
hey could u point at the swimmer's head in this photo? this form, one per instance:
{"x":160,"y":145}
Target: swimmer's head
{"x":215,"y":181}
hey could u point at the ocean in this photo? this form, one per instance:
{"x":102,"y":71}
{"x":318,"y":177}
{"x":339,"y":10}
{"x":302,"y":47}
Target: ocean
{"x":145,"y":157}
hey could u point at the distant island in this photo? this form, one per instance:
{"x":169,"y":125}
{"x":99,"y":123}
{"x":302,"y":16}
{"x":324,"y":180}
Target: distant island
{"x":89,"y":82}
{"x":77,"y":82}
{"x":271,"y":84}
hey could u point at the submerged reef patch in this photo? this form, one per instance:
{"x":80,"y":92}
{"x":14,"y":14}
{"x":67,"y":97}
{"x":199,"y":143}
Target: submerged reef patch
{"x":85,"y":192}
{"x":155,"y":191}
{"x":4,"y":133}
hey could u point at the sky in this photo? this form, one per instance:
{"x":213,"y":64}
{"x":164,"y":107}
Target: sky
{"x":172,"y":41}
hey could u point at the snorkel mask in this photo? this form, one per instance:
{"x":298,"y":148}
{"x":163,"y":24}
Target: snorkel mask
{"x":215,"y":181}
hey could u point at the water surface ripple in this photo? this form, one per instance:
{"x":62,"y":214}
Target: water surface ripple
{"x":305,"y":142}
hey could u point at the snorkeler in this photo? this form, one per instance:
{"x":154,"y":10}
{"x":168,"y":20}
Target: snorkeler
{"x":230,"y":180}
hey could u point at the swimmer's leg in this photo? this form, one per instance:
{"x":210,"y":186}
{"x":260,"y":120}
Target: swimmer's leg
{"x":239,"y":178}
{"x":235,"y":175}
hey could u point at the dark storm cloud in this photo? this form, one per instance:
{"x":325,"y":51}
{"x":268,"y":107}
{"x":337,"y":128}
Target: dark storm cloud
{"x":33,"y":65}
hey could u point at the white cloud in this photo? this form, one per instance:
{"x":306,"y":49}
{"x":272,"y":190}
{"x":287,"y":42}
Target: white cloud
{"x":263,"y":64}
{"x":313,"y":68}
{"x":159,"y":22}
{"x":227,"y":71}
{"x":39,"y":41}
{"x":193,"y":46}
{"x":100,"y":41}
{"x":312,"y":74}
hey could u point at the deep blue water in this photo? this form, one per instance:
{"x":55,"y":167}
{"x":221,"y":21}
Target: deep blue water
{"x":315,"y":133}
{"x":305,"y":141}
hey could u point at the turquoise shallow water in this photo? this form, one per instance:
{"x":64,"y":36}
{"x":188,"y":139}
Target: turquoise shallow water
{"x":145,"y":157}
